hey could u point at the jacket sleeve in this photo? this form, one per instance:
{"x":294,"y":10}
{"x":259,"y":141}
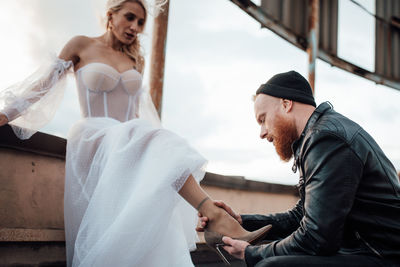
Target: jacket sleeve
{"x":283,"y":224}
{"x":32,"y":103}
{"x":332,"y":172}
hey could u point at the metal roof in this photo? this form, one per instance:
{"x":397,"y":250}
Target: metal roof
{"x":387,"y":39}
{"x":293,"y":15}
{"x":289,"y":20}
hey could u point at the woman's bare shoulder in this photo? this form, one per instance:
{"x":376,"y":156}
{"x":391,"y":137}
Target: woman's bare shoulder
{"x":80,"y":40}
{"x":74,"y":47}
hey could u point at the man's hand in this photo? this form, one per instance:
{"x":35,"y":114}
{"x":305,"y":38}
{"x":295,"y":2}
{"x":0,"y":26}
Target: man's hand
{"x":228,"y":209}
{"x":221,"y":204}
{"x":235,"y":247}
{"x":3,"y":119}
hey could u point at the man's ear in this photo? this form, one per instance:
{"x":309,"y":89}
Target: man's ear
{"x":287,"y":105}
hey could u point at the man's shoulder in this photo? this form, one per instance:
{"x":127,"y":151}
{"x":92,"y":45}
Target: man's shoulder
{"x":335,"y":124}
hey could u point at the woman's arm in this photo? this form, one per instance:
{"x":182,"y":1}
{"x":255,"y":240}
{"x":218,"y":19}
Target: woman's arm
{"x":32,"y":103}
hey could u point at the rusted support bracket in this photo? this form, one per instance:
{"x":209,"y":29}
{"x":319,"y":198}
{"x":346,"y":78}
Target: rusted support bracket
{"x":347,"y":66}
{"x":313,"y":35}
{"x":157,"y":62}
{"x":258,"y":14}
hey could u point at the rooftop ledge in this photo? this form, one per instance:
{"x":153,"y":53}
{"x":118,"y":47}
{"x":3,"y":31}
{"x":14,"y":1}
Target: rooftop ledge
{"x":53,"y":146}
{"x":31,"y":210}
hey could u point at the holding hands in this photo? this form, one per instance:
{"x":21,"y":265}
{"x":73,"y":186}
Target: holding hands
{"x":234,"y":247}
{"x":221,"y":204}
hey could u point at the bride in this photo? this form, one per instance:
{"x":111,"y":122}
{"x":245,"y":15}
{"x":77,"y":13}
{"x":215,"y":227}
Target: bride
{"x":125,"y":174}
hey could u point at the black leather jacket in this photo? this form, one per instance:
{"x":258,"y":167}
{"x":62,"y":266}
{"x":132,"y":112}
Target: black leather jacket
{"x":349,"y":196}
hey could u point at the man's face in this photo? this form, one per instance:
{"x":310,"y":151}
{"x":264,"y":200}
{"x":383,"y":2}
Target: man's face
{"x":275,"y":124}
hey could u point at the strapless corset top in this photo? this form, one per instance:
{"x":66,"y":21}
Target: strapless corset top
{"x":100,"y":77}
{"x":105,"y":92}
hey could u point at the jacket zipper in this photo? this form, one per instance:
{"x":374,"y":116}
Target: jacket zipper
{"x":294,"y":167}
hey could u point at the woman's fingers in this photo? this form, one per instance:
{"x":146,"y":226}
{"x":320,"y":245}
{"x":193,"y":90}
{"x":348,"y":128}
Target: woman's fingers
{"x":203,"y":223}
{"x":3,"y":119}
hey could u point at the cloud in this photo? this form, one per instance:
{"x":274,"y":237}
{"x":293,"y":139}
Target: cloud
{"x":217,"y":56}
{"x":233,"y":60}
{"x":184,"y":102}
{"x":356,"y":37}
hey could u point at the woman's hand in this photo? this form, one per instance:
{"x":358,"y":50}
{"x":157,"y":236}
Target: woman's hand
{"x":3,"y":119}
{"x":204,"y":220}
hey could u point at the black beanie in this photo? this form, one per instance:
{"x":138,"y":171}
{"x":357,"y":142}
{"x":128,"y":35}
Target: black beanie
{"x":288,"y":85}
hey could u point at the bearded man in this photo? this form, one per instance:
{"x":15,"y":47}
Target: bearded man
{"x":348,"y":213}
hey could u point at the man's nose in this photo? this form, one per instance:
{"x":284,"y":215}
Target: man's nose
{"x":263,"y":133}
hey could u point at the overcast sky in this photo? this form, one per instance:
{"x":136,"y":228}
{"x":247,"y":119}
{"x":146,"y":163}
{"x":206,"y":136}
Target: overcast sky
{"x":217,"y":56}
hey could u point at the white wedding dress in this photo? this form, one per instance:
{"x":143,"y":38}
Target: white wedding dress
{"x":123,"y":171}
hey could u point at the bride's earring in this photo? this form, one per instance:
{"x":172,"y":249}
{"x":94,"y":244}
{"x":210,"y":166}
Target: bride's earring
{"x":109,"y":24}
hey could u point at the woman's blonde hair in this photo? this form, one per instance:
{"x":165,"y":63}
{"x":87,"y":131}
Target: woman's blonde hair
{"x":134,"y":50}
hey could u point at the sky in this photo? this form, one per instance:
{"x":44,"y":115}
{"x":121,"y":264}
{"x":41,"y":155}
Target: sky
{"x":216,"y":58}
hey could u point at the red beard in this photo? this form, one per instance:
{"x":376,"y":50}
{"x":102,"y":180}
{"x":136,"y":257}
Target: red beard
{"x":284,"y":136}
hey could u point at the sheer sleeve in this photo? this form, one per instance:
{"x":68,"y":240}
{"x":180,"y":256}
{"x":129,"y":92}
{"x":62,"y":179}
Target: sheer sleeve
{"x":32,"y":103}
{"x":146,"y":109}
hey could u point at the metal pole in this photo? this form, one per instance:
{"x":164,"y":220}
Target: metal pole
{"x":157,"y":62}
{"x":313,"y":35}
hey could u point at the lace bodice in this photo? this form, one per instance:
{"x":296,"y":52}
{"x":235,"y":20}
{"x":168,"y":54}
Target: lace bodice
{"x":105,"y":92}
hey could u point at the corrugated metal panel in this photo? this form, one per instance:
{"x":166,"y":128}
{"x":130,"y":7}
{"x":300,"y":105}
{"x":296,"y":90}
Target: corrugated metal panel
{"x":328,"y":26}
{"x":293,"y":15}
{"x":387,"y":39}
{"x":267,"y":21}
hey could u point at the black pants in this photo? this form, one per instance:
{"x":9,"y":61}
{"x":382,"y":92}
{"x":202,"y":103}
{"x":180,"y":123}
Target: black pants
{"x":337,"y":261}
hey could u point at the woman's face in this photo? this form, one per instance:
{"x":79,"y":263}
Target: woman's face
{"x":127,"y":22}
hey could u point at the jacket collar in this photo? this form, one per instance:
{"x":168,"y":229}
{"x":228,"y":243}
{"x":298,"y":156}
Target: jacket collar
{"x":318,"y":112}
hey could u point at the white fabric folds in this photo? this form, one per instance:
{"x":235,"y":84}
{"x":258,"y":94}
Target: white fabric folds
{"x":123,"y":170}
{"x":121,"y":202}
{"x":32,"y":103}
{"x":146,"y":109}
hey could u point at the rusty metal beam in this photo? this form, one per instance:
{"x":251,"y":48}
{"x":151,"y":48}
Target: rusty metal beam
{"x":347,"y":66}
{"x":258,"y":14}
{"x":313,"y":37}
{"x":157,"y":62}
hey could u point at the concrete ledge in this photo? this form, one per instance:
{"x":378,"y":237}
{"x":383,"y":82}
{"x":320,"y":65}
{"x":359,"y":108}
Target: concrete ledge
{"x":39,"y":143}
{"x":29,"y":235}
{"x":31,"y":190}
{"x":32,"y":254}
{"x":240,"y":183}
{"x":53,"y":254}
{"x":53,"y":146}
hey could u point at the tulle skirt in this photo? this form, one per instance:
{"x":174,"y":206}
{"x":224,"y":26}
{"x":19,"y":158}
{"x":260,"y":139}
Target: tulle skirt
{"x":121,"y":202}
